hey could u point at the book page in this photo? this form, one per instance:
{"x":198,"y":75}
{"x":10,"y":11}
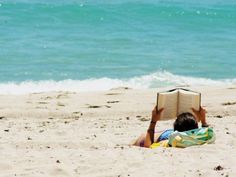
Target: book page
{"x":188,"y":100}
{"x":168,"y":101}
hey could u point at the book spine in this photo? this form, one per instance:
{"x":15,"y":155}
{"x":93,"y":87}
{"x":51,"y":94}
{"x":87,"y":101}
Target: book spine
{"x":200,"y":100}
{"x":157,"y":107}
{"x":177,"y":104}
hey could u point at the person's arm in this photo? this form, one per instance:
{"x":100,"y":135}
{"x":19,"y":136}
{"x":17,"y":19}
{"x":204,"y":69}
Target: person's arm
{"x":201,"y":115}
{"x":149,"y":139}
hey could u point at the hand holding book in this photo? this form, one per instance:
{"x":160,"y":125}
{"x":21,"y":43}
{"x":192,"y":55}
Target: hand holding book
{"x":201,"y":116}
{"x":156,"y":114}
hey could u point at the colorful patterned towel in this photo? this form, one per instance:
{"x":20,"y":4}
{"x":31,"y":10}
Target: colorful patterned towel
{"x":188,"y":138}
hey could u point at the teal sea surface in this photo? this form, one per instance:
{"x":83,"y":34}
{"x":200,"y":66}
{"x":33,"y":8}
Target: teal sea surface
{"x":98,"y":45}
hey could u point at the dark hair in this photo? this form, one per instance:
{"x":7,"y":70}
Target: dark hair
{"x":185,"y":122}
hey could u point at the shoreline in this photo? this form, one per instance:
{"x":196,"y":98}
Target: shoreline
{"x":223,"y":97}
{"x":149,"y":81}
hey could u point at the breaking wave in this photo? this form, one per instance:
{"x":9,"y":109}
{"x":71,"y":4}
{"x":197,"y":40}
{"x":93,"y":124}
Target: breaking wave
{"x":154,"y":80}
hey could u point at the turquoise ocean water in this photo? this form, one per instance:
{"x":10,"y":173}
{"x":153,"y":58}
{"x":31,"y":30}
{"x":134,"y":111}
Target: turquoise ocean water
{"x":98,"y":45}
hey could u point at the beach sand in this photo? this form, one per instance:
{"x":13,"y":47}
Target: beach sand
{"x":88,"y":134}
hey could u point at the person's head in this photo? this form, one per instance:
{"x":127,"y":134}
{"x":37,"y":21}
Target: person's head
{"x":185,"y":122}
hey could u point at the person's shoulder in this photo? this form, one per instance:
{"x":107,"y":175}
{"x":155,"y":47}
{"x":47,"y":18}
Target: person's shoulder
{"x":165,"y":135}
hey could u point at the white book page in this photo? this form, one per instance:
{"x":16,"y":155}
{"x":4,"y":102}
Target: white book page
{"x":168,"y":101}
{"x":188,"y":100}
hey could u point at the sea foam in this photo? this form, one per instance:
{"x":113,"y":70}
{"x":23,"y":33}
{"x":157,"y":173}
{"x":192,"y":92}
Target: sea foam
{"x":154,"y":80}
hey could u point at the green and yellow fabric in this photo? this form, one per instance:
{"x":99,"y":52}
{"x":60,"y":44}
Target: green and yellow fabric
{"x":188,"y":138}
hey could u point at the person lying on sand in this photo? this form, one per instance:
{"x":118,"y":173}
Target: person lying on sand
{"x":184,"y":122}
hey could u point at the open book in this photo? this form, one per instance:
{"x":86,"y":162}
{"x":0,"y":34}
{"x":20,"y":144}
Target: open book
{"x":177,"y":101}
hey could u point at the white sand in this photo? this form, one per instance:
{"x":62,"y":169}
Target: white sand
{"x":66,"y":134}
